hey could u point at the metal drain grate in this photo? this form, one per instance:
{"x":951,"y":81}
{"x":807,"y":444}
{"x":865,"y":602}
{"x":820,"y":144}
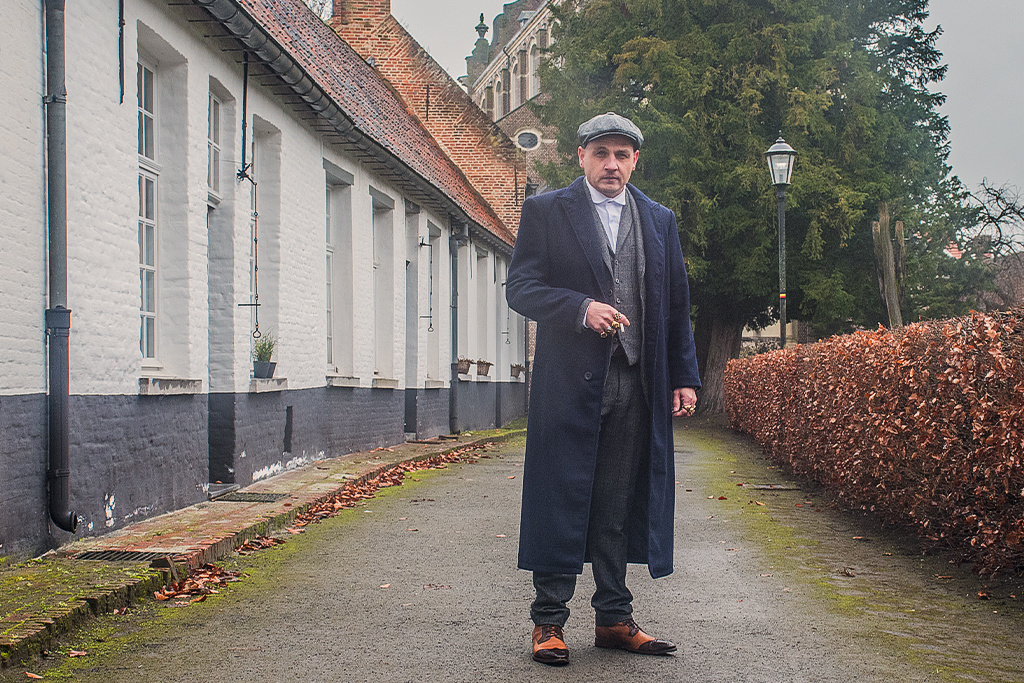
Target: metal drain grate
{"x":243,"y":497}
{"x":122,"y":555}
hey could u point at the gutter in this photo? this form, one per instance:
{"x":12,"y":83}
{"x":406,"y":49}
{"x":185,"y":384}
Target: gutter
{"x":58,"y":315}
{"x":250,"y":34}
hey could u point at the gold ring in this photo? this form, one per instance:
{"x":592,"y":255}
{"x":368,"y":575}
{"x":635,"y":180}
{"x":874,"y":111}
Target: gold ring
{"x":618,"y":316}
{"x":604,"y":334}
{"x":608,"y":330}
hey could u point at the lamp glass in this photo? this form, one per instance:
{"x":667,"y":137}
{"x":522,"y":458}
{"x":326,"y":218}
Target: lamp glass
{"x":780,"y":158}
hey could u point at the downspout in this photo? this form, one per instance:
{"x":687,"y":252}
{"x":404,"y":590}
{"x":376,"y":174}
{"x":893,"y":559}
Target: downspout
{"x":58,"y":315}
{"x":458,"y":237}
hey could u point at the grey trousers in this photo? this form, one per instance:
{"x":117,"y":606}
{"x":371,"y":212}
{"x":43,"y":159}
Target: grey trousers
{"x":622,"y":454}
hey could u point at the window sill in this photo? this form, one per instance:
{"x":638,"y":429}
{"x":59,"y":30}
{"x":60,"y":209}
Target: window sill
{"x":384,"y":383}
{"x":433,"y":384}
{"x":169,"y":386}
{"x":342,"y":381}
{"x":474,"y":378}
{"x":267,"y":386}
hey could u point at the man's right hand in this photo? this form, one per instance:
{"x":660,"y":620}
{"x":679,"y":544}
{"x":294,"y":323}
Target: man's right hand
{"x":601,"y":318}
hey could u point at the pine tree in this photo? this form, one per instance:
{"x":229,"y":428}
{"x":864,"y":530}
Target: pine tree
{"x":712,"y":83}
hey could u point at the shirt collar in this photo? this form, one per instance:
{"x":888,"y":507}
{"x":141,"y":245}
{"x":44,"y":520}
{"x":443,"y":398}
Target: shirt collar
{"x":599,"y":198}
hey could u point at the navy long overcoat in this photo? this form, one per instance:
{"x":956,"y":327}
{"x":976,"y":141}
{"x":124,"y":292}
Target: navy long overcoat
{"x":556,"y":265}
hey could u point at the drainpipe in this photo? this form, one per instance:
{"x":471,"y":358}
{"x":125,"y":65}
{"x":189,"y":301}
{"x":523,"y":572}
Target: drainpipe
{"x":459,"y":236}
{"x":58,"y":315}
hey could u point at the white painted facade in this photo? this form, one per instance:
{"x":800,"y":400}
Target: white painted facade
{"x":201,"y":333}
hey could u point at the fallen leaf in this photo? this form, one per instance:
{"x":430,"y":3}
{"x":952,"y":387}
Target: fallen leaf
{"x":722,"y":498}
{"x":78,"y":653}
{"x":512,"y":477}
{"x":798,"y":505}
{"x":412,"y":529}
{"x":983,"y":595}
{"x":689,"y":490}
{"x":385,"y":585}
{"x":940,"y":576}
{"x":33,"y":676}
{"x":766,"y":576}
{"x":501,"y":536}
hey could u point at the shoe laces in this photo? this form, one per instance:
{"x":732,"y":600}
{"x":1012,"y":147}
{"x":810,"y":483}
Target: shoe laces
{"x":548,"y":631}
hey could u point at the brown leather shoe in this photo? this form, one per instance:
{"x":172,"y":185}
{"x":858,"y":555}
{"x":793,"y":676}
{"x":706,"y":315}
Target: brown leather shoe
{"x":626,"y":635}
{"x":549,"y":645}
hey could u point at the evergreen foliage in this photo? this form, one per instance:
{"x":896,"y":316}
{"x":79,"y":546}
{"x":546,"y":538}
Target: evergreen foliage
{"x":712,"y":83}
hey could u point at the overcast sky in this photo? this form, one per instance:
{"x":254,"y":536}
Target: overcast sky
{"x":982,"y":42}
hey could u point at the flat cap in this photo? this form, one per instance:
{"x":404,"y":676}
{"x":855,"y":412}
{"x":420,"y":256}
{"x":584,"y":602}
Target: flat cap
{"x":609,"y":124}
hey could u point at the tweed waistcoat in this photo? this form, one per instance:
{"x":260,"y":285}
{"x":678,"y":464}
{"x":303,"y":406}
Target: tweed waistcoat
{"x":626,"y":265}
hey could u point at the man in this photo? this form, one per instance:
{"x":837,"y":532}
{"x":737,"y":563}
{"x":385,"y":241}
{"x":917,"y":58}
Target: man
{"x":598,"y":265}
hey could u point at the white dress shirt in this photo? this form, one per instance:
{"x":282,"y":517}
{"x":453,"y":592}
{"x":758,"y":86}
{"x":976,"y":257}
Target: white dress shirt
{"x":609,"y":209}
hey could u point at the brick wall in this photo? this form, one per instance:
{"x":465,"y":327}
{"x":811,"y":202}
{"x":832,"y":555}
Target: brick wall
{"x":486,"y":156}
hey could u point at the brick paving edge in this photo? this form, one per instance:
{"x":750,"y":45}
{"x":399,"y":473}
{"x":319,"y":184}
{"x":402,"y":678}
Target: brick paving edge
{"x":40,"y":633}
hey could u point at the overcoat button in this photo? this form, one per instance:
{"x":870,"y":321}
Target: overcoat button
{"x":588,"y":375}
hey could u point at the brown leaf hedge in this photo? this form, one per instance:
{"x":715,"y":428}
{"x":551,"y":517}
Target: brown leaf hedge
{"x":923,"y":426}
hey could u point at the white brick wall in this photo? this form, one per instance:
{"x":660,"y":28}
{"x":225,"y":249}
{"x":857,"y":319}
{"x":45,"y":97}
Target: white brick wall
{"x":103,"y":234}
{"x":22,"y":201}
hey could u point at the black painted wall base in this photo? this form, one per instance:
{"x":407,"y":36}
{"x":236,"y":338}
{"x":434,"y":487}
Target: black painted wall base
{"x":134,"y":457}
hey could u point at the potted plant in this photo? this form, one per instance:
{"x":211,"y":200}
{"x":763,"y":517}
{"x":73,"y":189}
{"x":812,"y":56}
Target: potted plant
{"x":262,"y":351}
{"x":464,"y":364}
{"x":517,"y":369}
{"x":483,"y":367}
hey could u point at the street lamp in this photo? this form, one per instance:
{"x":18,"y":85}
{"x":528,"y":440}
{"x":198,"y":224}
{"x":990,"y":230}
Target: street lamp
{"x":780,"y":158}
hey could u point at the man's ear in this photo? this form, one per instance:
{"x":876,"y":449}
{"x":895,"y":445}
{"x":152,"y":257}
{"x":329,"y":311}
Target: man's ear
{"x":580,"y":153}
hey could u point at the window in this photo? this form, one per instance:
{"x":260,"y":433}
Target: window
{"x":147,"y":263}
{"x":383,"y":283}
{"x":528,"y":139}
{"x":213,"y":147}
{"x":147,"y":113}
{"x":534,"y":71}
{"x":148,"y":181}
{"x":330,"y":281}
{"x":338,"y":278}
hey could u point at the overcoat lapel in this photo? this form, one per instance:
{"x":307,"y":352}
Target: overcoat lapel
{"x":581,"y":217}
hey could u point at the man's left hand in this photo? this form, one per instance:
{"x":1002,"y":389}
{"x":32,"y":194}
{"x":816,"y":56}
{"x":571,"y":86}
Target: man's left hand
{"x":684,"y":402}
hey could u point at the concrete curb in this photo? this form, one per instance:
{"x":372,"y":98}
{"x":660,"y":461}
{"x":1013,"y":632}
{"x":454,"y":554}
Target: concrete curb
{"x":24,"y":636}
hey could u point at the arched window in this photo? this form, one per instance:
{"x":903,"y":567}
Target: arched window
{"x":516,"y":95}
{"x":534,"y":65}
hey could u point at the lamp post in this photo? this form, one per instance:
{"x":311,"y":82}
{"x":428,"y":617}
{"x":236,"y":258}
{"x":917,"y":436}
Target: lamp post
{"x":780,"y":158}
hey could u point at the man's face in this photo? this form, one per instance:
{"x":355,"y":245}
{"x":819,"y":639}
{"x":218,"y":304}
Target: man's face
{"x":607,"y":162}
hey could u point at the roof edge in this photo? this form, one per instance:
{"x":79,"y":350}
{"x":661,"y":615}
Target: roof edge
{"x":251,"y":34}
